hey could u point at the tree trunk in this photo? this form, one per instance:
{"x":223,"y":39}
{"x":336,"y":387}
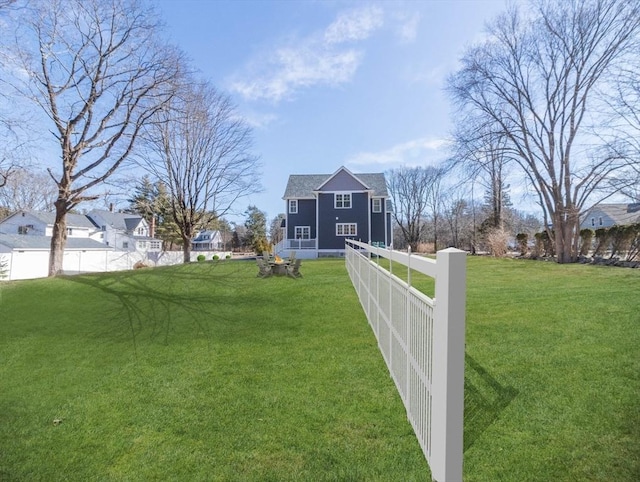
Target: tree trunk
{"x":565,"y":240}
{"x":58,"y":239}
{"x":186,"y":249}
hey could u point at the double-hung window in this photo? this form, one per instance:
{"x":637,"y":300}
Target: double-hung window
{"x":293,"y":206}
{"x":346,"y":229}
{"x":303,"y":232}
{"x":377,"y":205}
{"x":343,"y":201}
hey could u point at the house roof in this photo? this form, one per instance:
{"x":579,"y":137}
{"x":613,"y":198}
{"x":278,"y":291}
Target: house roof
{"x":18,"y":241}
{"x":304,"y":185}
{"x":121,"y":221}
{"x":49,"y":218}
{"x":621,"y":214}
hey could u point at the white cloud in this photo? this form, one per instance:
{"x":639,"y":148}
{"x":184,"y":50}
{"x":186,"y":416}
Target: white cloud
{"x":418,"y":152}
{"x":318,"y":59}
{"x":407,"y":26}
{"x":357,"y":24}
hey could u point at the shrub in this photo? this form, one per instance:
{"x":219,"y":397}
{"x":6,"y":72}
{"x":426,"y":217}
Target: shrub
{"x":497,"y":242}
{"x":602,"y":241}
{"x":215,"y":257}
{"x":201,"y":258}
{"x":586,"y":236}
{"x":544,"y":244}
{"x":140,"y":265}
{"x":634,"y":246}
{"x":227,"y":256}
{"x":523,"y":242}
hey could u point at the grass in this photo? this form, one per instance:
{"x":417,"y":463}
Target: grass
{"x":204,"y":372}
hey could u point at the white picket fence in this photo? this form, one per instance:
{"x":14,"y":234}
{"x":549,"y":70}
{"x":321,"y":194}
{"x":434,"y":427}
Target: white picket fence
{"x":422,"y":341}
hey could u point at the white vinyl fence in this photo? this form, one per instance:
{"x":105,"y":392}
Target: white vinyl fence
{"x":35,"y":264}
{"x":422,"y":341}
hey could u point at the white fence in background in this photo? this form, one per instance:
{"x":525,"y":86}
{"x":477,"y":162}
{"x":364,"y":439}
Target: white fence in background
{"x":422,"y":341}
{"x":35,"y":264}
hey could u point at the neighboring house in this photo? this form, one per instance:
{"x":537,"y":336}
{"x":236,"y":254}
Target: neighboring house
{"x":39,"y":223}
{"x":28,"y":256}
{"x":322,"y":210}
{"x":207,"y":241}
{"x":124,"y":232}
{"x":607,"y":215}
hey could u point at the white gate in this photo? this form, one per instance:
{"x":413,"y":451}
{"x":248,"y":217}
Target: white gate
{"x":422,"y":342}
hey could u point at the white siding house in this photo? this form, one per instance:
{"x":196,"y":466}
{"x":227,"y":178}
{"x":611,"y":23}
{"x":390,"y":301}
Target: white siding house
{"x":124,"y":232}
{"x":38,"y":223}
{"x":207,"y":241}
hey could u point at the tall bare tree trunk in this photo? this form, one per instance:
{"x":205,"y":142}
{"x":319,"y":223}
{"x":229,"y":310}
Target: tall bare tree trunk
{"x":58,"y":238}
{"x":186,"y":249}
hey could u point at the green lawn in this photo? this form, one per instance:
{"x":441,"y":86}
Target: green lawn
{"x":205,"y":372}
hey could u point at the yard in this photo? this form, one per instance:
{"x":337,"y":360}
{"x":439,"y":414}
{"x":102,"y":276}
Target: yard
{"x":205,"y":372}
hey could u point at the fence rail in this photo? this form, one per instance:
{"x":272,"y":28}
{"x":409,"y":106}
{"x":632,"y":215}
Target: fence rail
{"x":422,"y":342}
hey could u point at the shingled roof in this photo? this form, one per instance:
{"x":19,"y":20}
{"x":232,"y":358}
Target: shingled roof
{"x":23,"y":242}
{"x":72,"y":220}
{"x":620,"y":214}
{"x":302,"y":186}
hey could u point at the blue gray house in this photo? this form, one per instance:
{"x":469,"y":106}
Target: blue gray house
{"x":607,"y":215}
{"x":322,"y":210}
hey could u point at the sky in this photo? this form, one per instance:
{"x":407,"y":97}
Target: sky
{"x":326,"y":84}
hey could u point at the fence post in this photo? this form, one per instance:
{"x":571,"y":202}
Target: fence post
{"x":448,"y":366}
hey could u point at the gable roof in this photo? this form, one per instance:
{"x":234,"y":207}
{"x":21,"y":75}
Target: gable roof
{"x":20,"y":241}
{"x":121,"y":221}
{"x":302,"y":186}
{"x":49,"y":218}
{"x":620,"y":214}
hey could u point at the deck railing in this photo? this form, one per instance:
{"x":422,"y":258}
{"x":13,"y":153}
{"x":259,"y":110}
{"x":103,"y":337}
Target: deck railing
{"x":422,"y":341}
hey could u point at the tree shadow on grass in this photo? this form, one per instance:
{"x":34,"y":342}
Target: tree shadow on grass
{"x":160,"y":302}
{"x":484,"y":400}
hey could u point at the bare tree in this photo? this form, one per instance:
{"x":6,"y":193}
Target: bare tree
{"x":28,"y":189}
{"x":99,"y":72}
{"x":414,"y":193}
{"x":480,"y":152}
{"x":275,"y":229}
{"x":200,"y":149}
{"x":537,"y":79}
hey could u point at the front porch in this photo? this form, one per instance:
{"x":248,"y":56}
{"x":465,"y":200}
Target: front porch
{"x":301,"y":248}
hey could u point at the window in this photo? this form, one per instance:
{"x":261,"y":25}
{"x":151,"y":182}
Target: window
{"x":293,"y":206}
{"x":70,"y":231}
{"x":593,"y":221}
{"x":346,"y":229}
{"x":600,"y":221}
{"x":343,"y":201}
{"x":23,"y":229}
{"x":140,"y":231}
{"x":377,"y":205}
{"x":125,"y":245}
{"x":303,"y":232}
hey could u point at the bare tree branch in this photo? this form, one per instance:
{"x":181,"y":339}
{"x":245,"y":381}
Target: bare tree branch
{"x":201,"y":150}
{"x":537,"y":78}
{"x":99,"y":72}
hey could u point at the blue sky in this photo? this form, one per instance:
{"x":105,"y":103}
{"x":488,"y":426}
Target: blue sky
{"x":332,"y":83}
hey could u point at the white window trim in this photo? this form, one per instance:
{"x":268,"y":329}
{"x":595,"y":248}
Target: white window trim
{"x":343,"y":197}
{"x":377,"y":201}
{"x":292,"y":203}
{"x":346,"y":229}
{"x":302,"y":230}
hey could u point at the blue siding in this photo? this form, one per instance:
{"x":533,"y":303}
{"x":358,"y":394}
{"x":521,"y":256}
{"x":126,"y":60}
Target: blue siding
{"x":330,"y":216}
{"x":306,"y":216}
